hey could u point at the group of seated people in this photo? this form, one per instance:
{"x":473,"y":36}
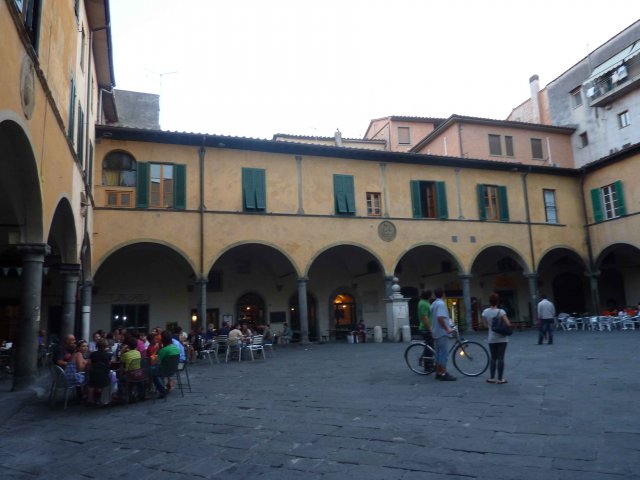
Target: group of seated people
{"x":121,"y":356}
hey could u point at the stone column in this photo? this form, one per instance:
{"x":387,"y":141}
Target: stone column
{"x":303,"y":313}
{"x":400,"y":313}
{"x":202,"y":301}
{"x":595,"y":293}
{"x":70,"y":273}
{"x":26,"y":356}
{"x":533,"y":297}
{"x":388,"y":284}
{"x":87,"y":287}
{"x":466,"y":299}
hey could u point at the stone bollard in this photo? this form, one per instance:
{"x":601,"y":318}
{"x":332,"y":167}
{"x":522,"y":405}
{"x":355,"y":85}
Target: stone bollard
{"x":377,"y":334}
{"x":406,"y":333}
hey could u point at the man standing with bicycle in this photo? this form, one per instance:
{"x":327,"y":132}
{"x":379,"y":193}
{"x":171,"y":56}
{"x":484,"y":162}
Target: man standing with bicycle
{"x":441,"y":331}
{"x":424,"y":326}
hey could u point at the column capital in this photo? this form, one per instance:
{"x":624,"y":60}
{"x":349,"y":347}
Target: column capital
{"x":465,"y":276}
{"x":302,"y":280}
{"x":34,"y":249}
{"x":531,"y":276}
{"x":88,"y":284}
{"x":70,"y":269}
{"x":594,"y":274}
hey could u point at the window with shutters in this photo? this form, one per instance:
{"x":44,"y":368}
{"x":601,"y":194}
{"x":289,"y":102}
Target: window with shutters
{"x":80,"y":137}
{"x":499,"y":144}
{"x":536,"y":148}
{"x":429,"y":199}
{"x":30,"y":13}
{"x":344,"y":196}
{"x":493,"y":203}
{"x":253,"y":190}
{"x":550,"y":208}
{"x":623,"y":119}
{"x":161,"y":185}
{"x":608,"y":202}
{"x":404,"y":135}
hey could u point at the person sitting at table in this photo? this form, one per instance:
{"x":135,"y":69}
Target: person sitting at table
{"x":177,"y":333}
{"x":266,"y":333}
{"x":93,"y":343}
{"x":224,"y":329}
{"x":130,"y":361}
{"x":246,"y":331}
{"x":152,"y":349}
{"x":63,"y":354}
{"x":80,"y":356}
{"x":101,"y":356}
{"x":141,"y":339}
{"x":235,"y":336}
{"x":168,"y":348}
{"x":360,"y":333}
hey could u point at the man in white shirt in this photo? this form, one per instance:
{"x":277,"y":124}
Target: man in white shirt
{"x":546,"y":318}
{"x":441,"y":328}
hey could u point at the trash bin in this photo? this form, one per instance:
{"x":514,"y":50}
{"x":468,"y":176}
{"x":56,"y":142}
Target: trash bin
{"x":405,"y":331}
{"x":377,"y":334}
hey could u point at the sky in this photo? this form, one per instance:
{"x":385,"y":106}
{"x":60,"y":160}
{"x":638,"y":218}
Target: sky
{"x":254,"y":68}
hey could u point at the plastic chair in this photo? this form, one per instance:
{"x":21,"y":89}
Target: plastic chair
{"x":233,"y":349}
{"x":209,"y":348}
{"x":183,"y":368}
{"x":59,"y":382}
{"x":136,"y":381}
{"x":169,"y":369}
{"x":256,"y":345}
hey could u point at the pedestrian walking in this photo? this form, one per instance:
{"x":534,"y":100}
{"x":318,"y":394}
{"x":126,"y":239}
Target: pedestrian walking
{"x":546,"y":318}
{"x":497,"y":343}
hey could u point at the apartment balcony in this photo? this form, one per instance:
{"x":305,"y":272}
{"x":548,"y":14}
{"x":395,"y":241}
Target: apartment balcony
{"x":614,"y":78}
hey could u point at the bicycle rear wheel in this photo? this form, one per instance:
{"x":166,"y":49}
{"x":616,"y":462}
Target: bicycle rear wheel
{"x":470,"y":358}
{"x":416,"y":361}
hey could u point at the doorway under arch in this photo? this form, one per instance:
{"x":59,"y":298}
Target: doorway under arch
{"x":294,"y":315}
{"x":250,"y":310}
{"x":344,"y":315}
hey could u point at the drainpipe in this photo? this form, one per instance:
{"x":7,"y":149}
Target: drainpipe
{"x":533,"y":284}
{"x":202,"y":307}
{"x":593,"y":274}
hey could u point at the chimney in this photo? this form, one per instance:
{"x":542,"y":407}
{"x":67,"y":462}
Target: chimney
{"x":338,"y":138}
{"x":534,"y":88}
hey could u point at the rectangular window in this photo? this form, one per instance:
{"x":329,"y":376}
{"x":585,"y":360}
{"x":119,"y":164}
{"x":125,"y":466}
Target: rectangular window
{"x":576,"y":97}
{"x":343,"y":193}
{"x":508,"y":144}
{"x":429,"y":199}
{"x":495,"y":145}
{"x":623,"y":119}
{"x":608,"y":202}
{"x":584,"y":139}
{"x":254,"y":190}
{"x":493,"y":203}
{"x":119,"y":198}
{"x":374,"y":204}
{"x":133,"y":318}
{"x":536,"y":148}
{"x":550,"y":208}
{"x":404,"y":135}
{"x":161,"y":186}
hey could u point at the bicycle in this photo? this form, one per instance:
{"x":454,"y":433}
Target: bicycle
{"x":470,"y":358}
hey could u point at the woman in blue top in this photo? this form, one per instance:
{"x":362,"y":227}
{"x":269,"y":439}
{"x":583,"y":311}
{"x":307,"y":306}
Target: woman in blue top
{"x":497,"y":342}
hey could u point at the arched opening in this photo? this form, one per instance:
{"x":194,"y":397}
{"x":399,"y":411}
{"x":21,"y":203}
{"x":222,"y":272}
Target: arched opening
{"x":344,"y":315}
{"x":250,"y":309}
{"x":294,"y":316}
{"x":561,"y":276}
{"x":120,"y":174}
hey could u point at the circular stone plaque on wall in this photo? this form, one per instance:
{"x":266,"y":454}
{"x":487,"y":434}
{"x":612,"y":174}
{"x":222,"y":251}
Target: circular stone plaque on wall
{"x":387,"y":231}
{"x":27,"y":87}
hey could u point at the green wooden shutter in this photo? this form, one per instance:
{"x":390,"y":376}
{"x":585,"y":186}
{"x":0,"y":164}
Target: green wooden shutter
{"x":80,"y":141}
{"x":72,"y":109}
{"x":621,"y":207}
{"x":416,"y":204}
{"x":482,"y":212}
{"x":504,"y":204}
{"x":180,"y":187}
{"x":349,"y":193}
{"x":248,"y":189}
{"x":596,"y":203}
{"x":142,"y":190}
{"x":339,"y":194}
{"x":441,"y":194}
{"x":260,"y":189}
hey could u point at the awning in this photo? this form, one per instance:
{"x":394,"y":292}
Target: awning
{"x":614,"y":62}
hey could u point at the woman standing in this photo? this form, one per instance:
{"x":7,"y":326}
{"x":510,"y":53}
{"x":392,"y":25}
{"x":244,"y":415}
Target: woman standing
{"x":497,"y":342}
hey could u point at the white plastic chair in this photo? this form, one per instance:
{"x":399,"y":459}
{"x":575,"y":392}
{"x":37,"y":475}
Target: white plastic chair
{"x":256,"y":345}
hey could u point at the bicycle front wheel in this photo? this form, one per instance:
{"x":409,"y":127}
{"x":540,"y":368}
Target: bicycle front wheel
{"x":471,"y":358}
{"x":416,"y":360}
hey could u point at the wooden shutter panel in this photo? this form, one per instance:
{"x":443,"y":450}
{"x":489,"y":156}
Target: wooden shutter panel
{"x":482,"y":212}
{"x":596,"y":203}
{"x":142,"y":187}
{"x":349,"y":193}
{"x":416,"y":204}
{"x":180,"y":187}
{"x":621,"y":206}
{"x":260,"y":189}
{"x":441,"y":193}
{"x":248,"y":189}
{"x":338,"y":192}
{"x":72,"y":109}
{"x":504,"y":204}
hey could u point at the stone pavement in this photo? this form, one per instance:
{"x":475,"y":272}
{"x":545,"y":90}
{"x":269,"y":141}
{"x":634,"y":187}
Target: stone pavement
{"x":339,"y":411}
